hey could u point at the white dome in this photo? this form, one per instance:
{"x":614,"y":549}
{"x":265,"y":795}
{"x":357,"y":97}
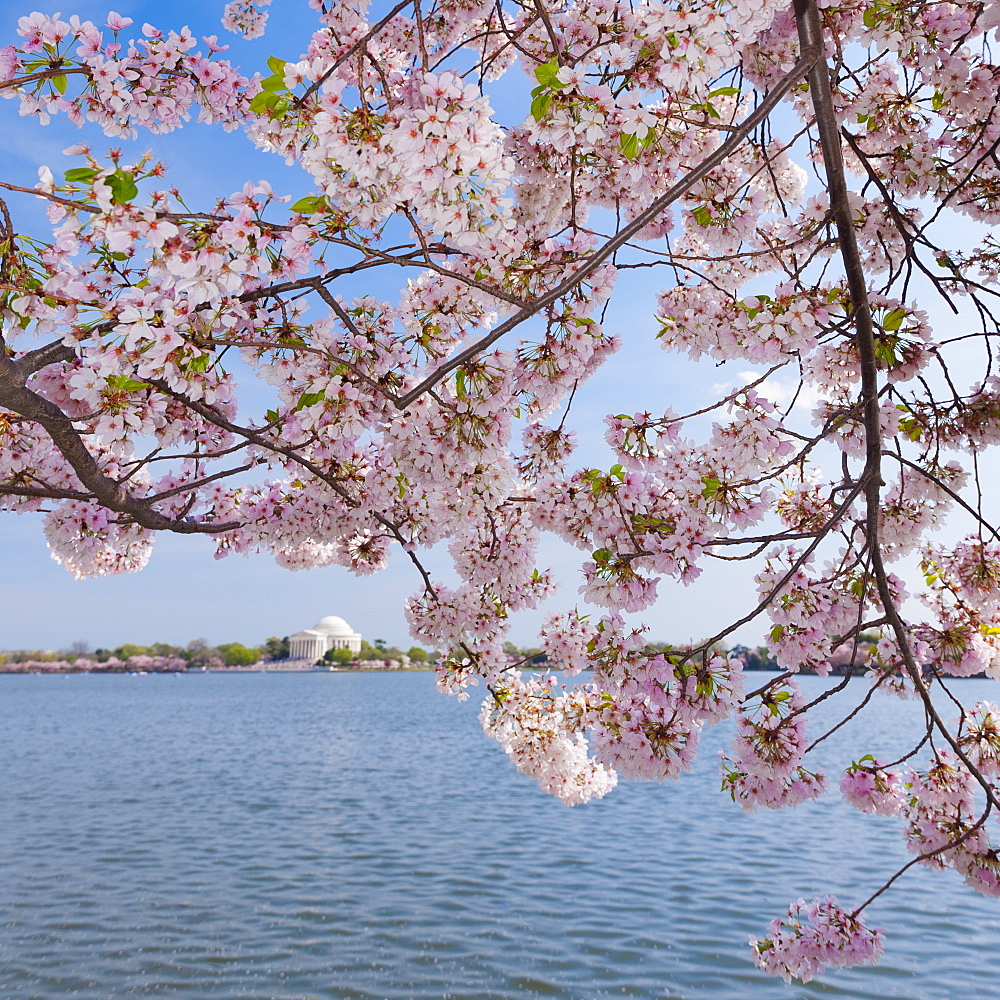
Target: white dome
{"x":332,"y":625}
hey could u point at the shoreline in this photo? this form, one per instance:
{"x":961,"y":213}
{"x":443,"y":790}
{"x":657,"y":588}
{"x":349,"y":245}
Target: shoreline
{"x":252,"y":669}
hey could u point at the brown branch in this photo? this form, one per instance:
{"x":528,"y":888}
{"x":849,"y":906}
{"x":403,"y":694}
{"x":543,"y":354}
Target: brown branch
{"x":551,"y":32}
{"x":847,"y":718}
{"x":43,"y":493}
{"x":41,"y":357}
{"x":792,"y":570}
{"x":17,"y":398}
{"x":213,"y":416}
{"x":764,"y":688}
{"x":45,"y":74}
{"x":957,"y":842}
{"x":810,"y":34}
{"x":203,"y":481}
{"x":50,"y":197}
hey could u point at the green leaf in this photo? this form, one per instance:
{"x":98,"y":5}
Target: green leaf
{"x":724,"y":92}
{"x":539,"y":106}
{"x":911,"y":428}
{"x":122,"y":185}
{"x":893,"y":320}
{"x":126,"y":384}
{"x":59,"y":82}
{"x":702,"y":215}
{"x":310,"y":205}
{"x":276,"y":65}
{"x":266,"y":101}
{"x":259,"y":103}
{"x":871,"y":17}
{"x":777,"y":632}
{"x":548,"y":74}
{"x":938,"y":101}
{"x":81,"y":174}
{"x":274,"y":83}
{"x":629,"y":145}
{"x":601,"y":556}
{"x":199,"y":363}
{"x":618,"y":471}
{"x":272,"y":416}
{"x":310,"y":399}
{"x":460,"y":383}
{"x":118,"y":255}
{"x":885,"y":352}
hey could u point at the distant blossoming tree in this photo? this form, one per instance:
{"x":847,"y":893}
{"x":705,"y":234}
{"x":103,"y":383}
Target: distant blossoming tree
{"x":676,"y":136}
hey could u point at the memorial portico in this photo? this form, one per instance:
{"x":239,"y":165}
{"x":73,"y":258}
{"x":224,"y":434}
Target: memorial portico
{"x":328,"y":633}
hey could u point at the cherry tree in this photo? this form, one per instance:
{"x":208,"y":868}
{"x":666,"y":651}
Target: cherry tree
{"x":802,"y":186}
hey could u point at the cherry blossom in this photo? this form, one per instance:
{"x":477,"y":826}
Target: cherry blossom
{"x":813,"y":937}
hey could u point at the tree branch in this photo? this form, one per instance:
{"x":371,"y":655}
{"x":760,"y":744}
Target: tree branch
{"x":17,"y":398}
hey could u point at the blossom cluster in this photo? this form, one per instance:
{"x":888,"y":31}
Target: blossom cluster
{"x":764,"y":766}
{"x":868,"y":786}
{"x":942,"y":824}
{"x":813,"y":937}
{"x":154,"y":82}
{"x":244,"y":17}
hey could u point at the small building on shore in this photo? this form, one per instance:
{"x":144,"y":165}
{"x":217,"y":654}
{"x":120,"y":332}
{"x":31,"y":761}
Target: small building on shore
{"x":328,"y":633}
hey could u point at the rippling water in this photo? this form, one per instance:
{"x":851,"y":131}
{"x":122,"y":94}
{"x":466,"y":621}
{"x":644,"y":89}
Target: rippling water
{"x":299,"y":836}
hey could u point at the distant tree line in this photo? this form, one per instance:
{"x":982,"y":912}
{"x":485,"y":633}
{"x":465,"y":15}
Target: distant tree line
{"x":377,"y":651}
{"x":195,"y":655}
{"x":198,"y":654}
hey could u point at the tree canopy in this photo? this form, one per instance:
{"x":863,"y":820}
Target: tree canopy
{"x":808,"y":191}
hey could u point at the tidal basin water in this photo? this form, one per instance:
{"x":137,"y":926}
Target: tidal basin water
{"x":355,"y":837}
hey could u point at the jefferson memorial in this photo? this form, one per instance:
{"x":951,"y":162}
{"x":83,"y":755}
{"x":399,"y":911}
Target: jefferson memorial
{"x":328,"y":633}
